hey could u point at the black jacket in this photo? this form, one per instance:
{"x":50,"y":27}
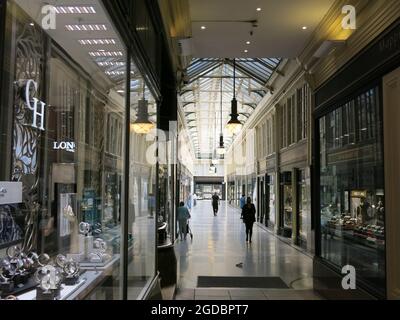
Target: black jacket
{"x":249,"y":213}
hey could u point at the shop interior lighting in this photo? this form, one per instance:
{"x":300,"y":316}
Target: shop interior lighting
{"x":86,"y":27}
{"x":75,"y":10}
{"x":93,"y":42}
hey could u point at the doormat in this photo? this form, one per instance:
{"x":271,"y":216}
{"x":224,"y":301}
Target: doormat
{"x":241,"y":282}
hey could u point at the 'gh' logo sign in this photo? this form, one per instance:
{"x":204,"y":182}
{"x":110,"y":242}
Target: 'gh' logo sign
{"x":37,"y":107}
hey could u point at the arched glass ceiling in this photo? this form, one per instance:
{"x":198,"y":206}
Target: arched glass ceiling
{"x":201,"y":97}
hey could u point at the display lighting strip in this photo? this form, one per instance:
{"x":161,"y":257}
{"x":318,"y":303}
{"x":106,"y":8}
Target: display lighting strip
{"x":86,"y":27}
{"x":111,"y":64}
{"x":106,"y":54}
{"x":75,"y":10}
{"x":93,"y":42}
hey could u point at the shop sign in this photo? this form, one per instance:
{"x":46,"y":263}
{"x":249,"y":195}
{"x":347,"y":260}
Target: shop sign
{"x":67,"y":146}
{"x":36,"y":106}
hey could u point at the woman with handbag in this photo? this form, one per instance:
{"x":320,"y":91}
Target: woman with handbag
{"x":249,"y":217}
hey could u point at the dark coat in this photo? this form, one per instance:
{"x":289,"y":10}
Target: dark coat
{"x":249,"y":213}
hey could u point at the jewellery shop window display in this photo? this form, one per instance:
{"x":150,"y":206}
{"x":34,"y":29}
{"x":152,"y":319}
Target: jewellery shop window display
{"x":64,"y":92}
{"x":352,"y":188}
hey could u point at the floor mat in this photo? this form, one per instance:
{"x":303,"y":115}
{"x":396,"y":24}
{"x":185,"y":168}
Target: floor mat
{"x":241,"y":282}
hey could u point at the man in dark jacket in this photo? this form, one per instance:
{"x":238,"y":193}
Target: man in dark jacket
{"x":249,"y":217}
{"x":215,"y":203}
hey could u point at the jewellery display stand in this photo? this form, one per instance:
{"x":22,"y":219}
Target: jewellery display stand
{"x":47,"y":294}
{"x":71,"y":281}
{"x":13,"y":289}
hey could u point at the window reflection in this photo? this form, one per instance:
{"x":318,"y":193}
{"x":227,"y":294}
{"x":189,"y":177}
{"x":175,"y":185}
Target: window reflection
{"x":352,"y":188}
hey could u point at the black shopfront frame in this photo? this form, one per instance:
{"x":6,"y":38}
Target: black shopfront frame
{"x":361,"y":73}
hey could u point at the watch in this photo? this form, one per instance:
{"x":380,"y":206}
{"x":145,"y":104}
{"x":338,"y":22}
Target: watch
{"x":61,"y":260}
{"x":13,"y":251}
{"x":84,"y":228}
{"x":100,"y":244}
{"x":43,"y":259}
{"x":48,"y":278}
{"x":71,"y":268}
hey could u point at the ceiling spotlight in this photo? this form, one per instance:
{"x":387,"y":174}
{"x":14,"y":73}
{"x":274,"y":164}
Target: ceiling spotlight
{"x":32,"y":24}
{"x":203,"y":27}
{"x":304,"y":28}
{"x":245,"y":51}
{"x":248,"y":42}
{"x":258,"y":9}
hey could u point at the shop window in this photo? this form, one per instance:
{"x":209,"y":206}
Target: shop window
{"x":352,"y":188}
{"x":270,"y":199}
{"x":286,"y":204}
{"x":142,"y":217}
{"x":304,"y":207}
{"x":70,"y":161}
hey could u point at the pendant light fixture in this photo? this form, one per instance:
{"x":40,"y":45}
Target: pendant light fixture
{"x":221,"y":148}
{"x":142,"y":124}
{"x":234,"y":124}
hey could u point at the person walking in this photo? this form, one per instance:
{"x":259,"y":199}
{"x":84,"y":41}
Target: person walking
{"x":194,"y":200}
{"x":215,"y":203}
{"x":242,"y":201}
{"x":183,"y":215}
{"x":249,"y":217}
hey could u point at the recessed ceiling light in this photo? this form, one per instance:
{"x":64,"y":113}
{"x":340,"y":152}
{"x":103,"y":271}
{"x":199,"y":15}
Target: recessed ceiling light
{"x":245,"y":51}
{"x":304,"y":28}
{"x":86,"y":27}
{"x":115,"y":73}
{"x":258,"y":9}
{"x":106,"y":53}
{"x":75,"y":9}
{"x":111,"y":63}
{"x":32,"y":24}
{"x":91,"y":42}
{"x":203,"y":27}
{"x":248,"y":42}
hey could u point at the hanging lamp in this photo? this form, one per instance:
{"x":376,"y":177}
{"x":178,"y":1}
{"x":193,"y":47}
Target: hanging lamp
{"x":221,"y":148}
{"x":142,"y":124}
{"x":234,"y":125}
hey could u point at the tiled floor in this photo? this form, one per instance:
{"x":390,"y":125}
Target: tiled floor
{"x":246,"y":294}
{"x":219,"y":244}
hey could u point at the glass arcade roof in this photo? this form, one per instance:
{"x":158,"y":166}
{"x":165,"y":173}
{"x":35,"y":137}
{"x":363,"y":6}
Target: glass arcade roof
{"x":201,"y":97}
